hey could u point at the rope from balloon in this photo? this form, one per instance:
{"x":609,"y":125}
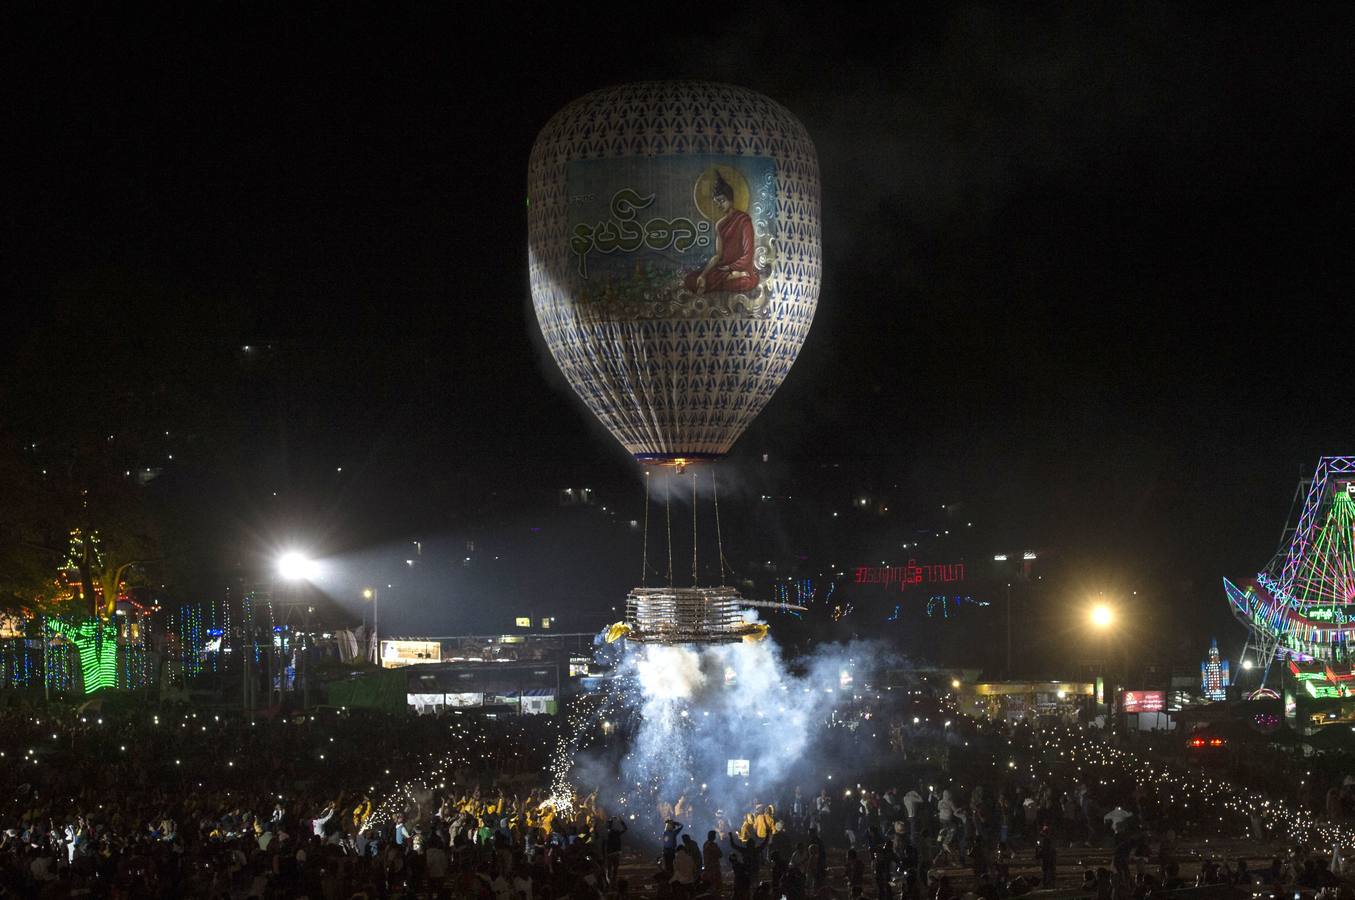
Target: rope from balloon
{"x":668,"y":523}
{"x":719,"y":540}
{"x":694,"y":575}
{"x":644,"y":552}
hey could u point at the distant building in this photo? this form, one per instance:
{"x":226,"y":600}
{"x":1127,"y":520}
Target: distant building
{"x":508,"y":674}
{"x":1214,"y":674}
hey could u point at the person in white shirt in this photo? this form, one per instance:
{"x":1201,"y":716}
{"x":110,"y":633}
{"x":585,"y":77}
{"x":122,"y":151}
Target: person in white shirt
{"x":319,"y":824}
{"x":945,"y":809}
{"x":1117,"y":818}
{"x":912,"y":802}
{"x":684,"y":868}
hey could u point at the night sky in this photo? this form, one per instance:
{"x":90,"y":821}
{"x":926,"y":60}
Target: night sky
{"x":1086,"y":271}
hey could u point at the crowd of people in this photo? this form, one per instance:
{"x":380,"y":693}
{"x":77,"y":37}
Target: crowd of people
{"x":177,"y":802}
{"x":1027,"y":817}
{"x":326,"y":803}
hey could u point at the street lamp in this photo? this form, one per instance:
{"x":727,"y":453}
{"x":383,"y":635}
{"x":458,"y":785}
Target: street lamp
{"x":294,"y":566}
{"x":1102,"y":617}
{"x":374,"y":595}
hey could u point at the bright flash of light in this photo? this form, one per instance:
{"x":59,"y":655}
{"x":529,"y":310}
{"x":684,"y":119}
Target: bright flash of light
{"x":296,"y":566}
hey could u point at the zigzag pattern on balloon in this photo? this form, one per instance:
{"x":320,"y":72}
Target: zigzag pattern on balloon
{"x":668,"y":387}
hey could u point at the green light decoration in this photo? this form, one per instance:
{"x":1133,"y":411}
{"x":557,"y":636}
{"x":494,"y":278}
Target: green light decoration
{"x":97,"y":643}
{"x":1333,"y":614}
{"x":1326,"y":692}
{"x":1326,"y":574}
{"x":1303,"y":602}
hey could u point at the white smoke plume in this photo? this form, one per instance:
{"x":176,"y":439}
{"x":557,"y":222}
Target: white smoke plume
{"x":721,"y":726}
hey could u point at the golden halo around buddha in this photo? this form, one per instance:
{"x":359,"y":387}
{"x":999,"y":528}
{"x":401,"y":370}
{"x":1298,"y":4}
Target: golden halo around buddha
{"x":701,"y":192}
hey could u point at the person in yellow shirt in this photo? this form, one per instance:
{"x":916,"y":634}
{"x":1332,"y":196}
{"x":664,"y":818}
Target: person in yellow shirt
{"x":361,"y":812}
{"x":765,"y":821}
{"x":748,"y":828}
{"x":590,"y":814}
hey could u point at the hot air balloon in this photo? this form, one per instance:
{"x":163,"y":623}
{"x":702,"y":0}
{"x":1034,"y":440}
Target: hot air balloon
{"x":674,"y":252}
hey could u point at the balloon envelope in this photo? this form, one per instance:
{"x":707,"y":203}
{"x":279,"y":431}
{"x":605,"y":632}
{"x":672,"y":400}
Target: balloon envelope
{"x":674,"y":251}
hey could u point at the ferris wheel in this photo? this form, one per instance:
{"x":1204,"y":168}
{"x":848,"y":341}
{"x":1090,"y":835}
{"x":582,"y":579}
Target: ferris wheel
{"x":1301,"y":606}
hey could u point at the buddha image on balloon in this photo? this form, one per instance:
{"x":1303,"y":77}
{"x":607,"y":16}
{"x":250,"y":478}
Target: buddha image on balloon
{"x":721,"y":194}
{"x":649,"y":247}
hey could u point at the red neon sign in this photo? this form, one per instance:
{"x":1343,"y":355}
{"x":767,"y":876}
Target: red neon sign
{"x":1144,"y":701}
{"x":910,"y":574}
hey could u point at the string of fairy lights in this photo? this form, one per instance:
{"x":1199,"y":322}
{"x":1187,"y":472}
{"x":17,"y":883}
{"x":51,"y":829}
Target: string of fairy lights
{"x":90,"y":653}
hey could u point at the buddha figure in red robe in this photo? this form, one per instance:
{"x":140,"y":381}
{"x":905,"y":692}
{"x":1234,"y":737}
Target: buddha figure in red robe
{"x":730,"y":268}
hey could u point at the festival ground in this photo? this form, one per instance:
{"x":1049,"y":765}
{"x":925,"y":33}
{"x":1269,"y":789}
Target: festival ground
{"x":192,"y":793}
{"x":1074,"y":861}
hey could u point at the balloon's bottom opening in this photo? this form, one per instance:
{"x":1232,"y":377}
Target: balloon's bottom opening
{"x":675,"y":461}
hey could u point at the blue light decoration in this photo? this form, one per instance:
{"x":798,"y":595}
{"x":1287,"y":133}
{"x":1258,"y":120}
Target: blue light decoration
{"x":217,"y":632}
{"x":133,"y":663}
{"x":108,"y":652}
{"x":802,"y":591}
{"x":186,"y":624}
{"x":62,"y":657}
{"x":805,"y":592}
{"x":248,"y":626}
{"x":940,"y":606}
{"x":20,"y":656}
{"x":1214,"y":674}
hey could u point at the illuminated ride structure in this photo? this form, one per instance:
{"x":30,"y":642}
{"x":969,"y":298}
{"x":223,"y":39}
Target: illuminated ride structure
{"x":690,"y":615}
{"x":1301,"y":607}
